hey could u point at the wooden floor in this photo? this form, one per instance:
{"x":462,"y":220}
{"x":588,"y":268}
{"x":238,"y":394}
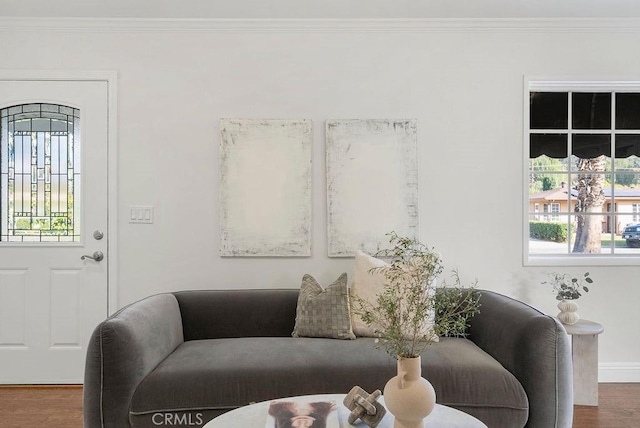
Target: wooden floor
{"x":618,"y":407}
{"x":61,"y":407}
{"x":41,"y":406}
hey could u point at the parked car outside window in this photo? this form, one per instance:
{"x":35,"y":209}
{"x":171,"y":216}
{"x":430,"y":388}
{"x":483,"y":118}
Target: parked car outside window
{"x":632,"y":235}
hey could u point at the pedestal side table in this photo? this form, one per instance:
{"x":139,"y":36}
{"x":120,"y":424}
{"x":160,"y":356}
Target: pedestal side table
{"x":584,"y":344}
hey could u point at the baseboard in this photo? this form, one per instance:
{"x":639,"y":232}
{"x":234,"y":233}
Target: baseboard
{"x":618,"y":372}
{"x":42,"y":382}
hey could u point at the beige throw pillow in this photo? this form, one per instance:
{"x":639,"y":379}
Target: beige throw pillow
{"x":366,"y":285}
{"x":323,"y":312}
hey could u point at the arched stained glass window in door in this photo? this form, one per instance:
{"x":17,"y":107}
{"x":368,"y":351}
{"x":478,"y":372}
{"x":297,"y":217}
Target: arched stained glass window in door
{"x":40,"y":173}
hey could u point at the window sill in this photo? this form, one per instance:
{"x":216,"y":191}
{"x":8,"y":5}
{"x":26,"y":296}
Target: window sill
{"x":581,"y":260}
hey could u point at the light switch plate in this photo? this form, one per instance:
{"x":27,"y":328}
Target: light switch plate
{"x":141,"y":214}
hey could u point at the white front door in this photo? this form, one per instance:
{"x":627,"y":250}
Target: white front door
{"x":53,"y":211}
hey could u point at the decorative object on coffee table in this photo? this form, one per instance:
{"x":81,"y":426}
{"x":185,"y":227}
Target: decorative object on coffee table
{"x":408,"y":316}
{"x":568,"y":289}
{"x":364,"y":406}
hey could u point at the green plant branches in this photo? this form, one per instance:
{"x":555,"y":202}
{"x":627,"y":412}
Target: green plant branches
{"x":568,"y":287}
{"x":455,"y":306}
{"x":404,"y":314}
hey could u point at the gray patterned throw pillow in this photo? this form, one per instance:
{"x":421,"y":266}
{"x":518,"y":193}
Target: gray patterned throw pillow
{"x":323,"y":312}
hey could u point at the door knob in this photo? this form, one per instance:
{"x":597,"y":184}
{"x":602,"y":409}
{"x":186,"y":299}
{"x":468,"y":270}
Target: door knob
{"x":97,"y":256}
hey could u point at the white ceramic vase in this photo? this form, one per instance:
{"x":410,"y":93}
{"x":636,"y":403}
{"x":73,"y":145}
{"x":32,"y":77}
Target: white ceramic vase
{"x":409,"y":396}
{"x":568,"y":312}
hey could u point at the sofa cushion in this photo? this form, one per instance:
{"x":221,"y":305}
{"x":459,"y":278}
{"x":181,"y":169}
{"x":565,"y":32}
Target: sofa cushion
{"x":216,"y":375}
{"x":366,"y":284}
{"x":323,"y":312}
{"x":369,"y":280}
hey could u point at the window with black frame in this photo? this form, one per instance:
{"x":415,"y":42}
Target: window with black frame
{"x":583,"y":156}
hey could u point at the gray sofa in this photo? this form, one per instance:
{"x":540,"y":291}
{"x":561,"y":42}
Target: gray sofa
{"x":183,"y":358}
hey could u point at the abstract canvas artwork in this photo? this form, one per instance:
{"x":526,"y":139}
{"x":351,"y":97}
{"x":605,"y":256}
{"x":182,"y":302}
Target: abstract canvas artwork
{"x":372,"y":183}
{"x":265,"y":187}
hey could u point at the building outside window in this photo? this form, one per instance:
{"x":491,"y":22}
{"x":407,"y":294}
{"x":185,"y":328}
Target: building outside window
{"x":555,"y":210}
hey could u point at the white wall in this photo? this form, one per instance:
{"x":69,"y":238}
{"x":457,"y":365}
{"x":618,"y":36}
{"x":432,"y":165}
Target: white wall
{"x":315,"y":9}
{"x":464,"y":84}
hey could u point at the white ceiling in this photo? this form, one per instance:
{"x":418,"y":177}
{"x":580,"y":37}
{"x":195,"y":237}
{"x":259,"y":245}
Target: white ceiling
{"x":320,"y":9}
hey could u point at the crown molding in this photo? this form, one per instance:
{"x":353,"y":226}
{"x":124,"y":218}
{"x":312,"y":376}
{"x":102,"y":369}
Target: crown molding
{"x":528,"y":25}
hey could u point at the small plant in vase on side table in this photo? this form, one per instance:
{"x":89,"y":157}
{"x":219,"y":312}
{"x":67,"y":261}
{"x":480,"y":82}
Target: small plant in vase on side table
{"x":568,"y":289}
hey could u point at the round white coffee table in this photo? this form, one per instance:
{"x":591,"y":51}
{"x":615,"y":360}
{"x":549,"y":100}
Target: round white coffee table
{"x":256,"y":415}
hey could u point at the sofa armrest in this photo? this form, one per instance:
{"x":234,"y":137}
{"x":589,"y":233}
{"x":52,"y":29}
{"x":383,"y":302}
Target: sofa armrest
{"x":535,"y":348}
{"x":122,"y":351}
